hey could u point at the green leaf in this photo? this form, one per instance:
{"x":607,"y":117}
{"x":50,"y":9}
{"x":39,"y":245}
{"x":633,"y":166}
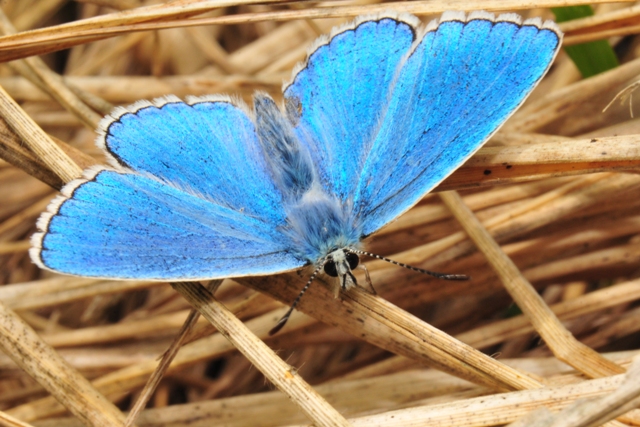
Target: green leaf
{"x":591,"y":58}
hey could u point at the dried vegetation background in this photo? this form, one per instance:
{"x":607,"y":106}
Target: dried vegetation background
{"x":546,"y":215}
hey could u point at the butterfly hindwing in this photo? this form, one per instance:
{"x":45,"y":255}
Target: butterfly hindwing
{"x":122,"y":225}
{"x":336,"y":99}
{"x":461,"y":81}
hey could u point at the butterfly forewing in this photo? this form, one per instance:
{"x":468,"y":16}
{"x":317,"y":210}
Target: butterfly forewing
{"x":337,"y":98}
{"x":457,"y":87}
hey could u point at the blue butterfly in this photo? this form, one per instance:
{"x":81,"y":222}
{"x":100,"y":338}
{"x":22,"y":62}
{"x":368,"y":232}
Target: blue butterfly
{"x":380,"y":113}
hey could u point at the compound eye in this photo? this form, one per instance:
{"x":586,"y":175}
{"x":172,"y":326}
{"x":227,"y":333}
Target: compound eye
{"x":330,"y":268}
{"x":352,"y":259}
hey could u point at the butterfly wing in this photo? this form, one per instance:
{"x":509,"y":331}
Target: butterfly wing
{"x":207,"y":146}
{"x":336,"y":99}
{"x":200,"y":205}
{"x":460,"y":82}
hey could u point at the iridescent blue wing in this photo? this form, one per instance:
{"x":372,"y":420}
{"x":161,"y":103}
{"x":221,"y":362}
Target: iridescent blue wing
{"x":458,"y":85}
{"x":208,"y":146}
{"x":200,"y":204}
{"x":337,"y":98}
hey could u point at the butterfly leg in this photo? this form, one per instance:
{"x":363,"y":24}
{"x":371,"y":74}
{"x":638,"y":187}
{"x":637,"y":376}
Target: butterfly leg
{"x":368,"y":278}
{"x":284,"y":318}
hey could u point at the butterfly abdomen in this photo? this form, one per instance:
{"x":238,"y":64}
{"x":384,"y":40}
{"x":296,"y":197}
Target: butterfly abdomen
{"x":289,"y":162}
{"x":317,"y":222}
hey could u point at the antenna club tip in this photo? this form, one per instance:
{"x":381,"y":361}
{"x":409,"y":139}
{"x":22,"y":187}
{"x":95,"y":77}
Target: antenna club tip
{"x":278,"y":326}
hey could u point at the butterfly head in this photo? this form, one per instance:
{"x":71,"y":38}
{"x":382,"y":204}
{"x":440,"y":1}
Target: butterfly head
{"x":339,"y":263}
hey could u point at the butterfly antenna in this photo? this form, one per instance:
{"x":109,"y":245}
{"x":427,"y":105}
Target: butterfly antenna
{"x":443,"y":276}
{"x":284,"y":318}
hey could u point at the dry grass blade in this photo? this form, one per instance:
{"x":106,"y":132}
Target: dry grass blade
{"x":166,"y":360}
{"x":537,"y":418}
{"x":563,"y":102}
{"x":9,"y":421}
{"x":275,"y":369}
{"x":492,"y":410}
{"x":42,"y":363}
{"x":134,"y":375}
{"x":590,"y":412}
{"x":494,"y":333}
{"x":557,"y":337}
{"x":500,"y":165}
{"x":613,"y":23}
{"x":64,"y":37}
{"x":500,"y":331}
{"x":13,"y":152}
{"x":596,"y":412}
{"x":389,"y":327}
{"x":41,"y":75}
{"x":35,"y":138}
